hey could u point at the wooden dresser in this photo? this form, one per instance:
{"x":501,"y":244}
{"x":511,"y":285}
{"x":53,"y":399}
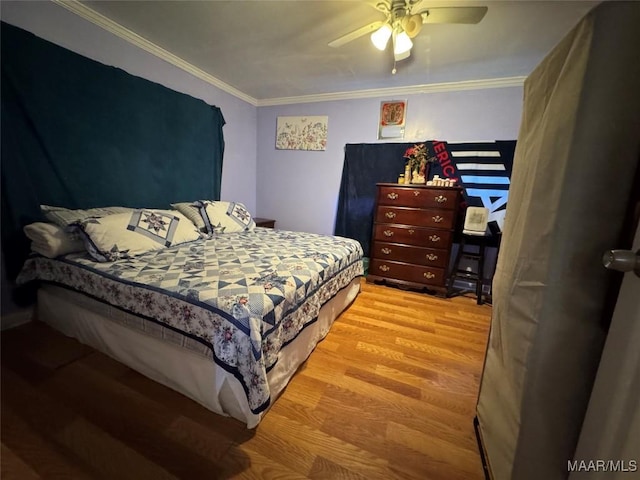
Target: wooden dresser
{"x":412,"y":234}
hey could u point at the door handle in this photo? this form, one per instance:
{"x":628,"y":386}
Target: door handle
{"x":622,"y":261}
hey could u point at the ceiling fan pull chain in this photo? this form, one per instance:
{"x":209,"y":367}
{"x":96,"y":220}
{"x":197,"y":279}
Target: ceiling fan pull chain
{"x":393,"y":70}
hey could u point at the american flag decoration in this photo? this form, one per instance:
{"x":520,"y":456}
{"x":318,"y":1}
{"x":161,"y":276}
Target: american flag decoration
{"x":482,"y":169}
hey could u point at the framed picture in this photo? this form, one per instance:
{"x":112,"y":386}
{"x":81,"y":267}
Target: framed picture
{"x":392,"y":117}
{"x":302,"y":133}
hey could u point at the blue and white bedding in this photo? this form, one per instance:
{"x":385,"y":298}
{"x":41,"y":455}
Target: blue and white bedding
{"x":245,"y":295}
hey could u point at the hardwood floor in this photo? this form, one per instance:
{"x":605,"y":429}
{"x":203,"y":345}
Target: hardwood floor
{"x":389,"y":394}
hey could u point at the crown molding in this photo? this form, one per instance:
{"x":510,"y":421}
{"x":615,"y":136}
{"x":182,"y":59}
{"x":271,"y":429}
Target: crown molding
{"x":399,"y":91}
{"x":115,"y":28}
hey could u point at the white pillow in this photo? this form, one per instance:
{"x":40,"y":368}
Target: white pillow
{"x":124,"y":235}
{"x":225,"y":217}
{"x":191,"y":210}
{"x":51,"y":240}
{"x":64,"y":216}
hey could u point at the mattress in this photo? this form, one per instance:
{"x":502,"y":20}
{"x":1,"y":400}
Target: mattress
{"x":236,"y":302}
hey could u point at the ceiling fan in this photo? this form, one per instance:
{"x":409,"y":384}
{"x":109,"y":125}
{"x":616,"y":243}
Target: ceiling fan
{"x":404,"y":19}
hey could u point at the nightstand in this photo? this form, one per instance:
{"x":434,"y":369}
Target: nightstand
{"x":264,"y":222}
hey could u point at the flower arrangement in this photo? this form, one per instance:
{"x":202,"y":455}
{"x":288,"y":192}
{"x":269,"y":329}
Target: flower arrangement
{"x":417,"y":160}
{"x":416,"y":156}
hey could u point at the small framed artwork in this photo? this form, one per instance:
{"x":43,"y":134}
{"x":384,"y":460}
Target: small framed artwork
{"x":392,"y":117}
{"x":302,"y":133}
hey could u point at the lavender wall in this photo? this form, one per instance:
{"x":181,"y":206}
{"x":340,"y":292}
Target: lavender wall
{"x":300,"y":189}
{"x":56,"y":24}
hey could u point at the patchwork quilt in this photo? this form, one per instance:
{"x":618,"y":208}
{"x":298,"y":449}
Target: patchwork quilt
{"x":245,"y":295}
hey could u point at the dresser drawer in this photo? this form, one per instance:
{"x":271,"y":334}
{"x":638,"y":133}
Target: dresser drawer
{"x":421,"y":237}
{"x":410,"y":254}
{"x":407,"y":272}
{"x":445,"y":198}
{"x":415,"y":216}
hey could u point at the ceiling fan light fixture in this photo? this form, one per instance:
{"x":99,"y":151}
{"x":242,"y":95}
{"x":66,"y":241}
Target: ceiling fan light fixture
{"x":412,"y":24}
{"x":401,"y":56}
{"x":380,"y":37}
{"x":401,"y":44}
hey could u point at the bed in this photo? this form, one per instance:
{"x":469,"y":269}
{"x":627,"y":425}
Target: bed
{"x":225,"y":320}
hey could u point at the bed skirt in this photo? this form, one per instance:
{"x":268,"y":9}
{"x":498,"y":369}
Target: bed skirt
{"x":186,"y":371}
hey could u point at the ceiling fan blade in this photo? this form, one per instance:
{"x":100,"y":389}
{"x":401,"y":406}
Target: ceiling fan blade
{"x":372,"y":27}
{"x":468,"y":15}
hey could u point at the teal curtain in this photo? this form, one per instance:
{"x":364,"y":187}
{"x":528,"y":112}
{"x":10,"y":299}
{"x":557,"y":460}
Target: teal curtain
{"x":80,"y":134}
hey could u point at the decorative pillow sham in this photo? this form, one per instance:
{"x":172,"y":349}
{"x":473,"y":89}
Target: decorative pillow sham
{"x":191,"y":210}
{"x":225,"y":217}
{"x":64,"y":216}
{"x":123,"y":235}
{"x":51,"y":240}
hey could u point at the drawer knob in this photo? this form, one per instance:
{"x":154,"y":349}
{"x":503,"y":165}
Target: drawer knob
{"x":429,"y":275}
{"x":437,"y":218}
{"x":441,"y":199}
{"x":411,"y":231}
{"x":416,"y":193}
{"x":392,"y":195}
{"x":386,"y":250}
{"x":434,"y":238}
{"x":431,"y":256}
{"x":388,"y":233}
{"x":390,"y":214}
{"x":384,"y":268}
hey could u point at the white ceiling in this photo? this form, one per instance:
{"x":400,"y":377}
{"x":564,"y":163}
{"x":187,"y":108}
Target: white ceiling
{"x":278,"y":49}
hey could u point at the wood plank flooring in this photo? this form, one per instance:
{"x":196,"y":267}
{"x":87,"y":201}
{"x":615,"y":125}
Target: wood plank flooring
{"x":389,"y":394}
